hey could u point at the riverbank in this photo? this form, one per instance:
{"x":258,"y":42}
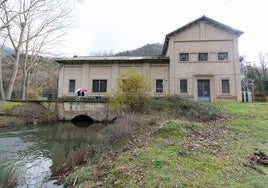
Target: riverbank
{"x":22,"y":113}
{"x":168,"y":150}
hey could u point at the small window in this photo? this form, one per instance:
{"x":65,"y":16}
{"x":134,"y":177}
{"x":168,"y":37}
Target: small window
{"x":159,"y":86}
{"x":71,"y":85}
{"x":183,"y":86}
{"x":225,"y":84}
{"x":202,"y":56}
{"x":184,"y":56}
{"x":99,"y":86}
{"x":222,"y":56}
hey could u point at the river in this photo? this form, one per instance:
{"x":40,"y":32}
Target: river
{"x":35,"y":150}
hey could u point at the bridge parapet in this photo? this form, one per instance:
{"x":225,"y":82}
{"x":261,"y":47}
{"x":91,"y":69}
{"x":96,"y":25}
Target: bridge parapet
{"x":67,"y":110}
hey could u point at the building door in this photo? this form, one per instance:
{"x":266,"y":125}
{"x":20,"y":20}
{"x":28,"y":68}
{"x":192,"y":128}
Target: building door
{"x":203,"y":87}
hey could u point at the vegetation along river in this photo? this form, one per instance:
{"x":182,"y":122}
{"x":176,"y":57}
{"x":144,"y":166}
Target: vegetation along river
{"x":35,"y":150}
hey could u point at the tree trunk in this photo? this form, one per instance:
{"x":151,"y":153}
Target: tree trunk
{"x":13,"y":76}
{"x":27,"y":86}
{"x":17,"y":49}
{"x":24,"y":78}
{"x":1,"y":80}
{"x":23,"y":85}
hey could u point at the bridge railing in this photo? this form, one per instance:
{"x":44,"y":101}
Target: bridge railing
{"x":53,"y":97}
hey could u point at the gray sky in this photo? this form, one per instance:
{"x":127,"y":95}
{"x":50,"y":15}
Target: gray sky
{"x":119,"y":25}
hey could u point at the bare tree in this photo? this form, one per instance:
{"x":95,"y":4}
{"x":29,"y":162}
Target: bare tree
{"x":43,"y":34}
{"x":101,"y":53}
{"x":39,"y":25}
{"x":262,"y":73}
{"x":4,"y":23}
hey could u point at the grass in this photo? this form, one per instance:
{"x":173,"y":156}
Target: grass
{"x":178,"y":107}
{"x":6,"y":107}
{"x":182,"y":152}
{"x":6,"y":117}
{"x":7,"y":177}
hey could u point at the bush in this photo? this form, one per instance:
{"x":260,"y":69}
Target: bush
{"x":132,"y":89}
{"x":179,"y":107}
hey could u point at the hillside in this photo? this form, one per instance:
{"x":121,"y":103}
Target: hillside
{"x":182,"y":152}
{"x":146,"y":50}
{"x":7,"y":51}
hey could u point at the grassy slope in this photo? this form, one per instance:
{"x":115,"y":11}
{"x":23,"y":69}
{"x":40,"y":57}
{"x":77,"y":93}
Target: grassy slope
{"x":6,"y":106}
{"x":6,"y":117}
{"x":189,"y":154}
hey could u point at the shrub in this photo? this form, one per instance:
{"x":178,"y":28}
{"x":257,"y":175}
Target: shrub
{"x":132,"y":89}
{"x":179,"y":107}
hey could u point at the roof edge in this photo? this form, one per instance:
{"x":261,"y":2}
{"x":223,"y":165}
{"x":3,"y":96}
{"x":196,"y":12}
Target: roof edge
{"x":100,"y":59}
{"x":207,"y":20}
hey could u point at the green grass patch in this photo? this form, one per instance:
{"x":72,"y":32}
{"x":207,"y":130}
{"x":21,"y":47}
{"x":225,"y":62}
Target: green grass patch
{"x":176,"y":129}
{"x":6,"y":116}
{"x":188,"y":153}
{"x":6,"y":106}
{"x":82,"y":175}
{"x":7,"y":176}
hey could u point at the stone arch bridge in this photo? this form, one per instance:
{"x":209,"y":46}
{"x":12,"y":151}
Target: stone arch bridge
{"x":98,"y":111}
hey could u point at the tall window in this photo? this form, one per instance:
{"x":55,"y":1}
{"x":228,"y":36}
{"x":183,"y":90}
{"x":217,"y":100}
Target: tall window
{"x":159,"y":86}
{"x":202,"y":56}
{"x":99,"y":86}
{"x":71,"y":85}
{"x":183,"y":86}
{"x":222,"y":56}
{"x":184,"y":56}
{"x":225,"y":85}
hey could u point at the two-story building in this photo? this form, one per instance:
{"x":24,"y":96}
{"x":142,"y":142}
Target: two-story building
{"x":200,"y":61}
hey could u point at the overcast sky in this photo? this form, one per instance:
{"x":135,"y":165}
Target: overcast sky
{"x":119,"y":25}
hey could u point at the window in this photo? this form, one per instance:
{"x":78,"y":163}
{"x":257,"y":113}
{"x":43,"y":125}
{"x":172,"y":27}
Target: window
{"x":222,"y":56}
{"x":99,"y":86}
{"x":184,"y":56}
{"x":225,"y":85}
{"x":183,"y":86}
{"x":159,"y":86}
{"x":202,"y":56}
{"x":71,"y":85}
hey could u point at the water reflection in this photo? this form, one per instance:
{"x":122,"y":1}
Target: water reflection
{"x":35,"y":150}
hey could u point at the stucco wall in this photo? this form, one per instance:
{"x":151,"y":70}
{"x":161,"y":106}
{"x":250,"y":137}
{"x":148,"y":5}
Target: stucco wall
{"x":204,"y":38}
{"x":85,"y":73}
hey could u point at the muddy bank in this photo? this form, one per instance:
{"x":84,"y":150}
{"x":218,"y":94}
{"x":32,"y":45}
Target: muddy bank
{"x":24,"y":113}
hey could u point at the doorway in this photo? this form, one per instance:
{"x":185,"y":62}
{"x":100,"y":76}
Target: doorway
{"x":203,"y":87}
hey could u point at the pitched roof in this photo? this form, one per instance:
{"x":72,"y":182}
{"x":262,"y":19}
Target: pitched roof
{"x":205,"y":19}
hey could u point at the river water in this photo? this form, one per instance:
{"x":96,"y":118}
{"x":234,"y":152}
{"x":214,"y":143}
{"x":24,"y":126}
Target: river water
{"x":34,"y":150}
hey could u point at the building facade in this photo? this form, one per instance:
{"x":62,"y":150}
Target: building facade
{"x":200,"y":61}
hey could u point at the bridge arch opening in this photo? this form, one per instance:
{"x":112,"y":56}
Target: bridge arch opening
{"x":82,"y":121}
